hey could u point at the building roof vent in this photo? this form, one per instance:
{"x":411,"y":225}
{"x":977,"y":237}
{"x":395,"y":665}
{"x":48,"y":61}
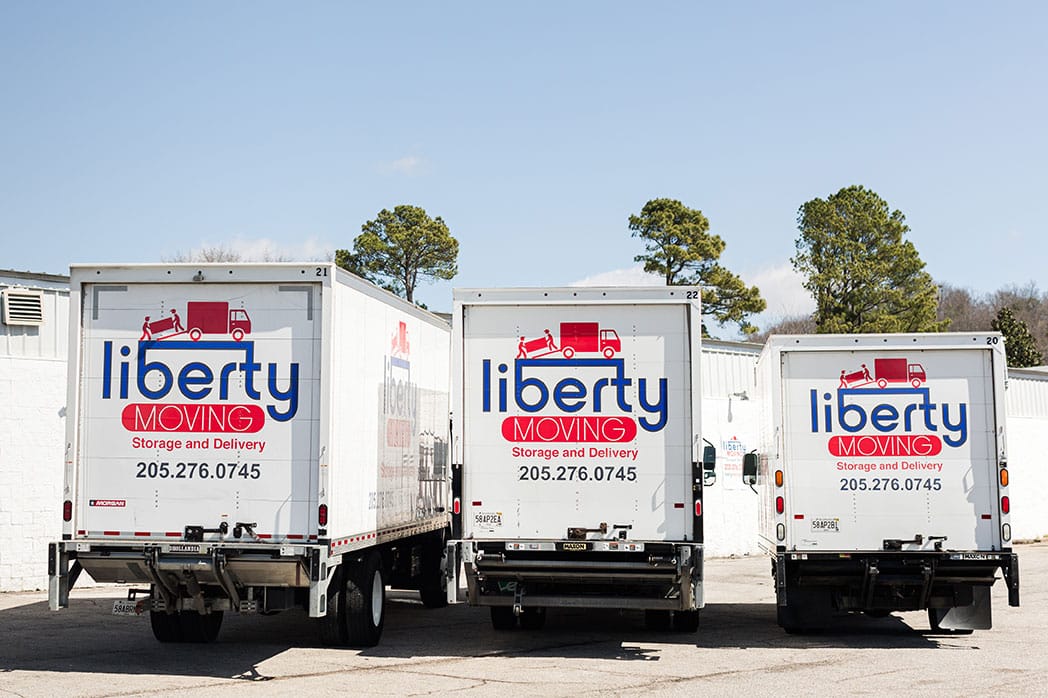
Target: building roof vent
{"x":23,"y":307}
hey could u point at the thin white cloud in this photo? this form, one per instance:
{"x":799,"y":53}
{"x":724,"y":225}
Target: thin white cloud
{"x":266,"y":250}
{"x":781,"y":286}
{"x":409,"y":165}
{"x":634,"y":276}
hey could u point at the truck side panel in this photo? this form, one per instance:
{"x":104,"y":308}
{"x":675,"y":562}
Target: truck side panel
{"x":387,"y":464}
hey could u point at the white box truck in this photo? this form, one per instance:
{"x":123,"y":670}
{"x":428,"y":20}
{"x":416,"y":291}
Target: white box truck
{"x":883,"y":474}
{"x":578,"y":458}
{"x":253,"y":438}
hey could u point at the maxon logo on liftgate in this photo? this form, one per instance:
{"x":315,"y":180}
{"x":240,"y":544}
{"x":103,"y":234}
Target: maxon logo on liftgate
{"x":173,"y":381}
{"x":887,"y":412}
{"x":547,"y":376}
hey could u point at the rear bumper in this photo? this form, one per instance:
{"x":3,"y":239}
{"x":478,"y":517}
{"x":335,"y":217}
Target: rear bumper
{"x":545,"y":574}
{"x":899,"y":581}
{"x":218,"y":573}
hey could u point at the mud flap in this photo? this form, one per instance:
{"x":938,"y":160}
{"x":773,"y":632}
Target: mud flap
{"x":451,"y":570}
{"x":976,"y":616}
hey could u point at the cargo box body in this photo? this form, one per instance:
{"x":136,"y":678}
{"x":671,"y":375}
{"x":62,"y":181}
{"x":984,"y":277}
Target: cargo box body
{"x":289,"y":408}
{"x":576,"y":426}
{"x":881,"y":451}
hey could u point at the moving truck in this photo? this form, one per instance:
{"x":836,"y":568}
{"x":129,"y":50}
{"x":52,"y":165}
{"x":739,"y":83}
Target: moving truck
{"x":889,"y":496}
{"x":298,"y":462}
{"x":577,"y":479}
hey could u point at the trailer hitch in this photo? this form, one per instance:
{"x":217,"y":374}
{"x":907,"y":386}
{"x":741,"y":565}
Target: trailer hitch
{"x":897,"y":543}
{"x":195,"y":534}
{"x":579,"y":532}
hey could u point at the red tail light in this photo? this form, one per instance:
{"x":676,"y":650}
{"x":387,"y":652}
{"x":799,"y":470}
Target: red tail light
{"x":67,"y":510}
{"x":780,"y":505}
{"x":1006,"y":505}
{"x":322,"y":515}
{"x":698,"y":507}
{"x":456,"y":506}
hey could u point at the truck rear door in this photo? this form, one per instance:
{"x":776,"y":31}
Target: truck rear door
{"x":553,"y":443}
{"x":174,"y":432}
{"x":871,"y":464}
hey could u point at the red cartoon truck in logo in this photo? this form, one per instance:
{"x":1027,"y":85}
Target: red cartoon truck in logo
{"x":885,"y":371}
{"x":216,"y":317}
{"x":575,"y":337}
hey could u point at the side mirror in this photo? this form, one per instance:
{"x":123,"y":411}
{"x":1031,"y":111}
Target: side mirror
{"x":709,"y":458}
{"x":749,"y":468}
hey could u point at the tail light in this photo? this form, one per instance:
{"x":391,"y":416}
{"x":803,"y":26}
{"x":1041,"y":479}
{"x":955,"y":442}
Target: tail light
{"x":698,"y":507}
{"x":456,"y":506}
{"x":1006,"y":505}
{"x":67,"y":510}
{"x":780,"y":505}
{"x":322,"y":515}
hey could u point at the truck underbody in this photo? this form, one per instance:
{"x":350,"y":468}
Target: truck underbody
{"x":520,"y":579}
{"x":192,"y":584}
{"x":954,"y":587}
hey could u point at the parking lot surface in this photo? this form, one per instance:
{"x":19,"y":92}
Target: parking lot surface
{"x":738,"y":650}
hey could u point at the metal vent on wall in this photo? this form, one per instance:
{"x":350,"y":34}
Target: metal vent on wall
{"x":23,"y":307}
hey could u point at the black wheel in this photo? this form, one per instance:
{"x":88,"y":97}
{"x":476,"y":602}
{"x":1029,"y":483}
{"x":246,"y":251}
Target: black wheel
{"x":333,"y":630}
{"x":365,"y":602}
{"x":935,"y":616}
{"x":533,"y":618}
{"x":433,"y":587}
{"x":657,"y":620}
{"x":166,"y":627}
{"x":686,"y":621}
{"x":502,"y":618}
{"x":200,"y":627}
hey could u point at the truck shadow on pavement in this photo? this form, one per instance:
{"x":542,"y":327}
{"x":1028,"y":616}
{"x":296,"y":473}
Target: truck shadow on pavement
{"x":86,"y":638}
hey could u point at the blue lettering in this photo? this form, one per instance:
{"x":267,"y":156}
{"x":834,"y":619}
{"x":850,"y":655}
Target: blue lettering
{"x":186,"y":380}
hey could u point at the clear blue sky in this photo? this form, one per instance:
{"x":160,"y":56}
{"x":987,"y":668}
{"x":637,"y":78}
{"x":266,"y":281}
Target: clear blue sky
{"x":137,"y":131}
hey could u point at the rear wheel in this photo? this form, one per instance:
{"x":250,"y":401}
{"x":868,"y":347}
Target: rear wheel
{"x":333,"y":630}
{"x":366,"y":602}
{"x":686,"y":621}
{"x":433,"y":589}
{"x":533,"y":618}
{"x":502,"y":618}
{"x":166,"y":627}
{"x":200,"y":627}
{"x":659,"y":620}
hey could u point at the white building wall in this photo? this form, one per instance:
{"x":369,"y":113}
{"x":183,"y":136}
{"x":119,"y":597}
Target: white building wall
{"x":1027,"y":444}
{"x":32,"y":429}
{"x":32,"y":433}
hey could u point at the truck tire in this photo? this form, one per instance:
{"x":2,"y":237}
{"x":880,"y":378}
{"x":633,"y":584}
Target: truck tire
{"x":365,"y":602}
{"x":333,"y":629}
{"x":195,"y":334}
{"x":166,"y":627}
{"x":533,"y":618}
{"x":502,"y":618}
{"x":686,"y":621}
{"x":568,"y":352}
{"x":199,"y":627}
{"x":657,"y":620}
{"x":433,"y":585}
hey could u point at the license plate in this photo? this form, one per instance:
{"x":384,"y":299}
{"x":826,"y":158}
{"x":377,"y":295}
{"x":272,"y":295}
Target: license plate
{"x":126,"y":608}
